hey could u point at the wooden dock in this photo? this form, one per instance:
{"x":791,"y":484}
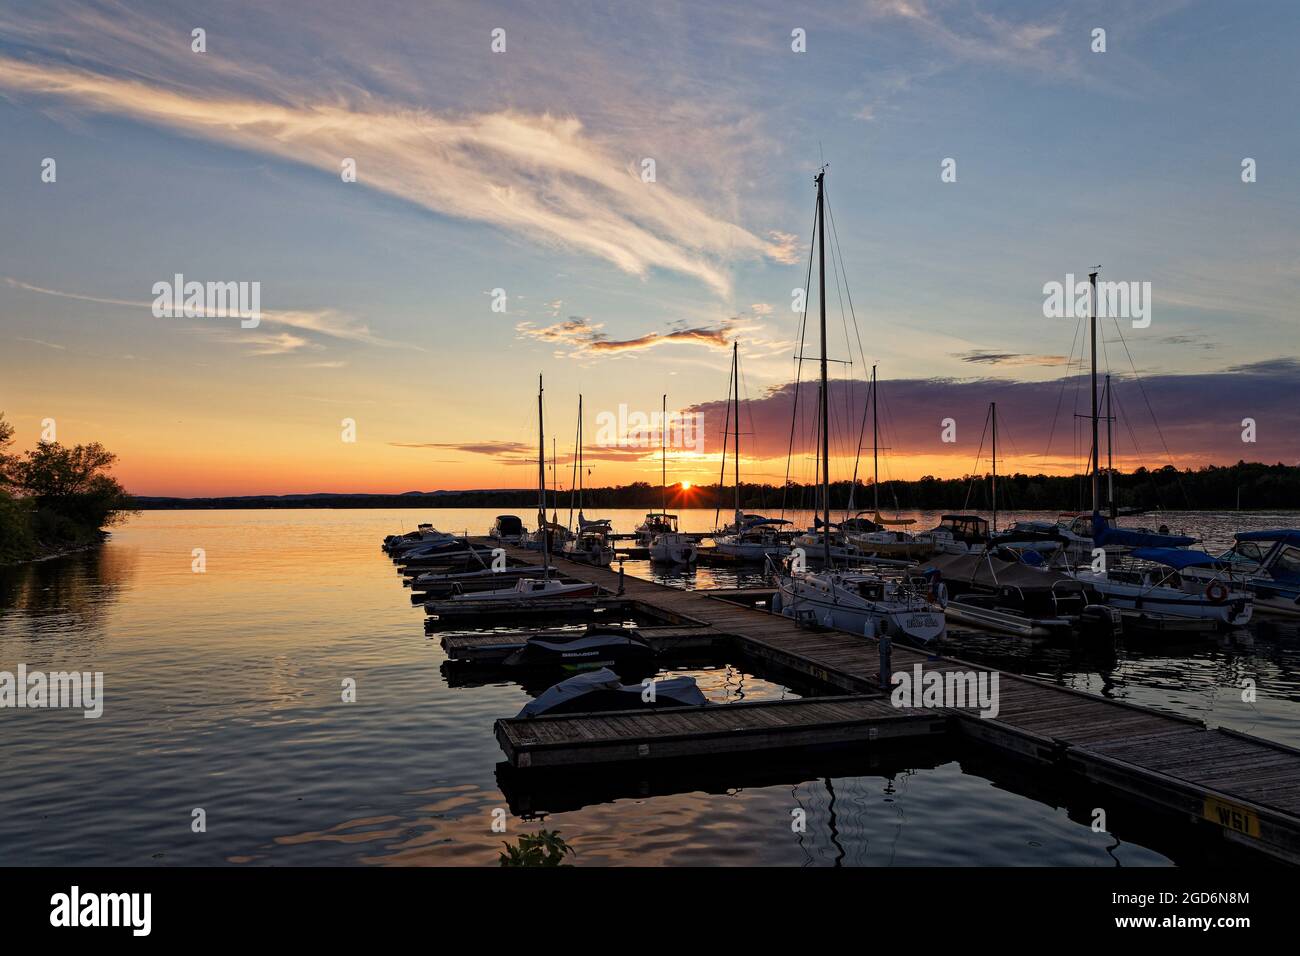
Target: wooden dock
{"x":480,"y":648}
{"x":1246,"y":788}
{"x":584,"y":739}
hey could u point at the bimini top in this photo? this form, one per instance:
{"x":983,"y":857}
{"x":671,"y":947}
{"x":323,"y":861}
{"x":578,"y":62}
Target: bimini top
{"x":1289,"y":535}
{"x":1103,"y":533}
{"x":1178,"y":558}
{"x":753,"y":521}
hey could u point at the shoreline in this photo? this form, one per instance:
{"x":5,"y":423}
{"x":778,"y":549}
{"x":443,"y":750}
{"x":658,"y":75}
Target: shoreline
{"x":50,"y":553}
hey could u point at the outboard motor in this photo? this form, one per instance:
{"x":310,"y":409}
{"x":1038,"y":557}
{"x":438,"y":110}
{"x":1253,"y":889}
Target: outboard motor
{"x":1102,"y":620}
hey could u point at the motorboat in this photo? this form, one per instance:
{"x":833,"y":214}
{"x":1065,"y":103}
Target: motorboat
{"x":666,"y":544}
{"x":425,"y":539}
{"x":598,"y":646}
{"x":956,"y":534}
{"x":1153,"y":584}
{"x":591,"y":545}
{"x":508,"y":529}
{"x":1268,"y":565}
{"x":527,"y":590}
{"x":1001,"y":592}
{"x":601,"y":690}
{"x":480,"y":579}
{"x":392,"y":539}
{"x":860,"y":602}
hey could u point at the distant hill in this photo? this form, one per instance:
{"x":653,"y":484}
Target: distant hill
{"x":1245,"y":485}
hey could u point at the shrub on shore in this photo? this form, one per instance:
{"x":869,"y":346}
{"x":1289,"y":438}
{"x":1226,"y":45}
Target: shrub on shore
{"x":55,"y":497}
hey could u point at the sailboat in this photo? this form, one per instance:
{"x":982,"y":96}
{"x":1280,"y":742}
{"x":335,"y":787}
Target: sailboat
{"x":747,"y":537}
{"x":1153,"y":585}
{"x":869,"y":534}
{"x":530,"y":589}
{"x":667,"y":544}
{"x":856,"y":601}
{"x":590,"y":544}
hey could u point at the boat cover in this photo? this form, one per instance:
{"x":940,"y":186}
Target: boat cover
{"x":1289,"y":535}
{"x":673,"y":691}
{"x":1104,"y":533}
{"x":990,"y":571}
{"x":1178,"y":558}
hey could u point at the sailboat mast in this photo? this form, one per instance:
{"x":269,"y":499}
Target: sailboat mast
{"x":875,"y":448}
{"x":663,"y":451}
{"x":1096,"y":466}
{"x":826,"y":432}
{"x":735,"y":377}
{"x":993,"y":411}
{"x":1110,"y":460}
{"x":580,"y":481}
{"x":541,"y":483}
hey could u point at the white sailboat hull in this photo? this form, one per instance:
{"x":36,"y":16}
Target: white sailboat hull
{"x":807,"y":598}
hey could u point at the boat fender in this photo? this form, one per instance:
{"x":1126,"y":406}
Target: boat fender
{"x":776,"y":603}
{"x":1215,"y":592}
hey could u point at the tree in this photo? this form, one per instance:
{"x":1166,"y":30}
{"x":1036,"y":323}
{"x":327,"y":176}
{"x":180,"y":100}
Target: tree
{"x":71,"y":484}
{"x":6,"y":439}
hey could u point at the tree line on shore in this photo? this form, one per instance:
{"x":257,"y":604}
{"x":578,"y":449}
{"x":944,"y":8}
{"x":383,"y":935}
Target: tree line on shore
{"x":1243,"y":486}
{"x":55,"y":498}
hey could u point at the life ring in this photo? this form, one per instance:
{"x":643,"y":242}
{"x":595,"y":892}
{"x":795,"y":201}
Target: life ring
{"x":1216,"y":592}
{"x":939,"y":594}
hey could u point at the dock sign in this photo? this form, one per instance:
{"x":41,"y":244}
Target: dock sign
{"x":1231,"y":816}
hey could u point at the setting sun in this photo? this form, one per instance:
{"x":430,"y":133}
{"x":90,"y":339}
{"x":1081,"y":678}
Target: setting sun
{"x":686,"y":486}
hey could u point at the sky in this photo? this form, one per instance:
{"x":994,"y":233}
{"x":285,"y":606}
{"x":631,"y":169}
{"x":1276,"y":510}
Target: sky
{"x":503,"y":224}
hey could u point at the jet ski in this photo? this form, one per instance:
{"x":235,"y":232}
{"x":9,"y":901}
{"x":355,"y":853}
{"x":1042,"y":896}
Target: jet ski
{"x":601,"y":690}
{"x":596,"y":647}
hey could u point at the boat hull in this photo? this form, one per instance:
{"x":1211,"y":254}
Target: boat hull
{"x":802,"y":603}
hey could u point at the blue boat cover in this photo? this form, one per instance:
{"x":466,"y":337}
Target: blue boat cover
{"x":1178,"y":558}
{"x":1289,"y":535}
{"x":1103,"y":533}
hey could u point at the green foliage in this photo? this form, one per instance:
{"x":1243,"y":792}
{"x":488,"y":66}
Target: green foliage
{"x":73,"y":494}
{"x":17,"y":541}
{"x":54,"y":496}
{"x":6,"y":460}
{"x":543,"y":848}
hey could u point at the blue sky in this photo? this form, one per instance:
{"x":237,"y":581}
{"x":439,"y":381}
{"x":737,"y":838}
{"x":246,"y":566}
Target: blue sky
{"x":519,"y":170}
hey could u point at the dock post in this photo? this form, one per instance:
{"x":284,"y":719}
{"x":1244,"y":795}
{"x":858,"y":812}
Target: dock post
{"x":885,"y":670}
{"x":620,"y":578}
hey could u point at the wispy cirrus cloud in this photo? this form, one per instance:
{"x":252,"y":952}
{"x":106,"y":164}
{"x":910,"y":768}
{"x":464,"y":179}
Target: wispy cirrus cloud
{"x":329,"y":323}
{"x":521,"y":453}
{"x":1013,"y":359}
{"x":584,"y":337}
{"x":536,"y":174}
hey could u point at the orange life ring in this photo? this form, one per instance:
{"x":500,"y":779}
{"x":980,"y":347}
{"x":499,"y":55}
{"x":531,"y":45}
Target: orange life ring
{"x":1216,"y":592}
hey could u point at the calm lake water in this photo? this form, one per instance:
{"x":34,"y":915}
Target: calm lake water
{"x":223,"y":693}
